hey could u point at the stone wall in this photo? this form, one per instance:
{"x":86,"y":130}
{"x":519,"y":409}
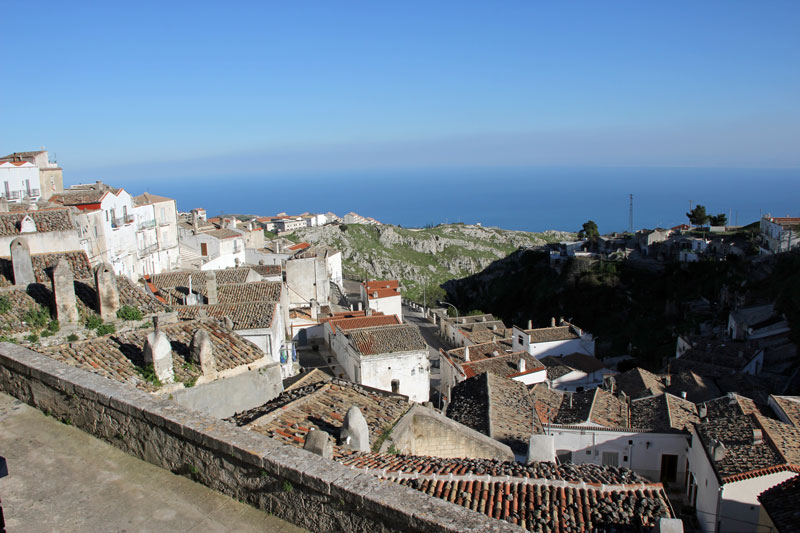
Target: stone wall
{"x":295,"y":485}
{"x":423,"y":431}
{"x":226,"y":397}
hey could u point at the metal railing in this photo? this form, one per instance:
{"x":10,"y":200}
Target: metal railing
{"x":121,"y":221}
{"x":148,"y":250}
{"x":146,"y":224}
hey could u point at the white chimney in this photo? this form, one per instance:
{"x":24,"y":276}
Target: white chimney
{"x":683,"y":394}
{"x":466,"y":353}
{"x":552,"y":322}
{"x":521,"y":365}
{"x":702,"y":411}
{"x":758,"y":436}
{"x":530,"y":324}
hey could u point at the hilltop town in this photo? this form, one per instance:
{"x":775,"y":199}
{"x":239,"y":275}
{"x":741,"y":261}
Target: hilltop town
{"x":270,"y":358}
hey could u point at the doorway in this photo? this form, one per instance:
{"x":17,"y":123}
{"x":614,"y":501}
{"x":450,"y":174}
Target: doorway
{"x":669,"y":468}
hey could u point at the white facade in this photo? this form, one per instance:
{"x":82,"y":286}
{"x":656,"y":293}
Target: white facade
{"x":732,"y":506}
{"x":388,"y":305}
{"x":306,"y":280}
{"x":642,"y":452}
{"x":406,"y":373}
{"x":779,"y":234}
{"x":271,"y":340}
{"x":575,"y":381}
{"x":521,"y":341}
{"x":208,"y":252}
{"x":19,"y":180}
{"x":335,"y":267}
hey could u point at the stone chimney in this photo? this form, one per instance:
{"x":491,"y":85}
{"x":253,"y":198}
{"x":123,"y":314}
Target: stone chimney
{"x":319,"y":442}
{"x":195,"y":223}
{"x":21,"y":263}
{"x":552,"y":322}
{"x":355,"y":432}
{"x":211,"y":287}
{"x":64,"y":293}
{"x":667,"y":380}
{"x":107,"y":292}
{"x":227,"y":322}
{"x":683,"y":394}
{"x":530,"y":324}
{"x":702,"y":411}
{"x":466,"y":354}
{"x":369,"y":311}
{"x":521,"y":365}
{"x":27,"y":225}
{"x":314,"y":308}
{"x":201,"y":351}
{"x":717,"y":451}
{"x":158,"y":352}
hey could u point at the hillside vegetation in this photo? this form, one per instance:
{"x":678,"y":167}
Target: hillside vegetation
{"x":425,"y":257}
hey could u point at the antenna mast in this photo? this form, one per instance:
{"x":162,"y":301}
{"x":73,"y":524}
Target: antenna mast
{"x":630,"y":214}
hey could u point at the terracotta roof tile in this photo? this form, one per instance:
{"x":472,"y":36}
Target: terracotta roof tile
{"x":780,"y":503}
{"x":253,"y":315}
{"x":387,"y":339}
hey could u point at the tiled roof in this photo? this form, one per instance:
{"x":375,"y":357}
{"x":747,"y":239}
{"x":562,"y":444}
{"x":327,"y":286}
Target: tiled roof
{"x":785,"y":438}
{"x":307,"y":378}
{"x":714,"y":359}
{"x":639,"y":383}
{"x":180,"y":278}
{"x":555,"y":371}
{"x":728,"y":423}
{"x":80,"y":197}
{"x":609,"y":410}
{"x":258,"y":291}
{"x":387,"y":339}
{"x":682,"y":413}
{"x":780,"y":503}
{"x":575,"y":408}
{"x":119,"y":357}
{"x":46,"y":220}
{"x":478,"y":352}
{"x":498,"y":407}
{"x":790,"y":405}
{"x":483,"y":332}
{"x":223,"y":233}
{"x":558,"y":333}
{"x":697,"y":388}
{"x":44,"y":263}
{"x":299,"y":246}
{"x":381,"y":284}
{"x":588,"y":473}
{"x":538,"y":507}
{"x":147,"y":198}
{"x":505,"y":365}
{"x":323,"y":405}
{"x":253,"y":315}
{"x":347,"y":324}
{"x":382,"y":293}
{"x":267,"y":270}
{"x":583,"y":362}
{"x":546,"y":402}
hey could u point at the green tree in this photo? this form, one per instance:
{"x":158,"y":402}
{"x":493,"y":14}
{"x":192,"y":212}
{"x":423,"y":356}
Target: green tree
{"x":718,"y":220}
{"x":698,"y":216}
{"x":589,"y":231}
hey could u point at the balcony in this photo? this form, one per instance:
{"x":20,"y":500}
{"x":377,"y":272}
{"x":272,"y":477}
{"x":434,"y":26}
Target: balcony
{"x":147,"y":250}
{"x":121,"y":221}
{"x":146,"y":224}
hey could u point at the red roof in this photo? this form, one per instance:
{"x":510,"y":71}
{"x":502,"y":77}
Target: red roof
{"x":373,"y":294}
{"x":299,"y":246}
{"x":383,"y":284}
{"x":15,"y":163}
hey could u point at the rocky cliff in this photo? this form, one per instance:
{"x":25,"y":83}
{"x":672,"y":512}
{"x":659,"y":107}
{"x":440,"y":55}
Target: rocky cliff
{"x":421,"y":257}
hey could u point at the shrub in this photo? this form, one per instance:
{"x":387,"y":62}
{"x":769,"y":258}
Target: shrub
{"x":53,"y":327}
{"x":5,"y":304}
{"x":32,"y":338}
{"x":5,"y":338}
{"x":128,"y":312}
{"x":148,"y":374}
{"x":93,"y":322}
{"x":105,"y":329}
{"x":36,"y":318}
{"x":72,"y":337}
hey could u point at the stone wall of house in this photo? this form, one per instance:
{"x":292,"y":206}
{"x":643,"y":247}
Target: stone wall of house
{"x":423,"y":431}
{"x":225,"y":397}
{"x":289,"y":482}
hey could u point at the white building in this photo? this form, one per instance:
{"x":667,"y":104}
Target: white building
{"x":49,"y":180}
{"x":45,"y":230}
{"x":648,"y":435}
{"x":209,"y":248}
{"x":383,"y":297}
{"x":736,"y":454}
{"x":779,"y":234}
{"x":556,"y":340}
{"x":20,"y":180}
{"x":390,"y":358}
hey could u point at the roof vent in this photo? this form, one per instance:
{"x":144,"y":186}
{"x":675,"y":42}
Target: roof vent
{"x":758,"y":436}
{"x":717,"y":451}
{"x":521,"y":364}
{"x":495,"y":353}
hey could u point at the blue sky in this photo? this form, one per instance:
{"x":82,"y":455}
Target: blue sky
{"x":302,"y":86}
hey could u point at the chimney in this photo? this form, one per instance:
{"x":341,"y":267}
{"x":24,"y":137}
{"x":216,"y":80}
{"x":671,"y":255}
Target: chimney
{"x":355,"y":432}
{"x":314,"y":309}
{"x":3,"y":205}
{"x":702,"y":411}
{"x":494,"y":327}
{"x":211,"y":287}
{"x":530,"y":324}
{"x":64,"y":294}
{"x":521,"y":365}
{"x":107,"y":292}
{"x":158,"y":352}
{"x":561,"y":321}
{"x":202,"y":352}
{"x":195,"y":223}
{"x":466,"y":354}
{"x":278,"y":247}
{"x":758,"y":436}
{"x":570,"y":400}
{"x":368,"y":311}
{"x":667,"y":380}
{"x":552,"y":322}
{"x":683,"y":394}
{"x":717,"y":450}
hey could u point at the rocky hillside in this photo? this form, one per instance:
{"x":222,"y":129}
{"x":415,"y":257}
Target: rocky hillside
{"x":421,"y":257}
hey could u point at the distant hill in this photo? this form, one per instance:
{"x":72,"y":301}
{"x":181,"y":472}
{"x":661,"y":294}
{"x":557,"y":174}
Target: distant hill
{"x":422,"y":257}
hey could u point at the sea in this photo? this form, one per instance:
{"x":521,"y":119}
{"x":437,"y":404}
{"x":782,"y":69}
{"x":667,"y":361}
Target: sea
{"x":528,"y":199}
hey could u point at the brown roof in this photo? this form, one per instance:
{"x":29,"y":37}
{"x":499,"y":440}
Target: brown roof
{"x":790,"y":405}
{"x":323,"y":405}
{"x":558,"y":333}
{"x":546,"y":402}
{"x":505,"y":365}
{"x":697,"y":388}
{"x":180,"y":278}
{"x":387,"y":339}
{"x":223,"y":233}
{"x":258,"y":291}
{"x":583,"y":362}
{"x":347,"y":324}
{"x":147,"y":198}
{"x":46,"y":220}
{"x":478,"y":352}
{"x":780,"y":503}
{"x":253,"y":315}
{"x":639,"y":383}
{"x":119,"y":357}
{"x":80,"y":197}
{"x":267,"y":270}
{"x":43,"y":265}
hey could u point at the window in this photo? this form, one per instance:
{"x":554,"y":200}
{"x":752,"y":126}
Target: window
{"x":630,"y":442}
{"x":588,"y":452}
{"x":396,"y":386}
{"x":610,"y":459}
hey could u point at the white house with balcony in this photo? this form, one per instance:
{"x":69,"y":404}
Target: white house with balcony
{"x":210,"y":249}
{"x":20,"y":180}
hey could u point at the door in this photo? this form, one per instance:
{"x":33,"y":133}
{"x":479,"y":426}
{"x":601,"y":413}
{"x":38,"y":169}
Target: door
{"x":669,"y":468}
{"x":611,"y":458}
{"x":203,"y":249}
{"x":302,"y":337}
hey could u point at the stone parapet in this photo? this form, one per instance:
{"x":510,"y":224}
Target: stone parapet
{"x":293,"y":484}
